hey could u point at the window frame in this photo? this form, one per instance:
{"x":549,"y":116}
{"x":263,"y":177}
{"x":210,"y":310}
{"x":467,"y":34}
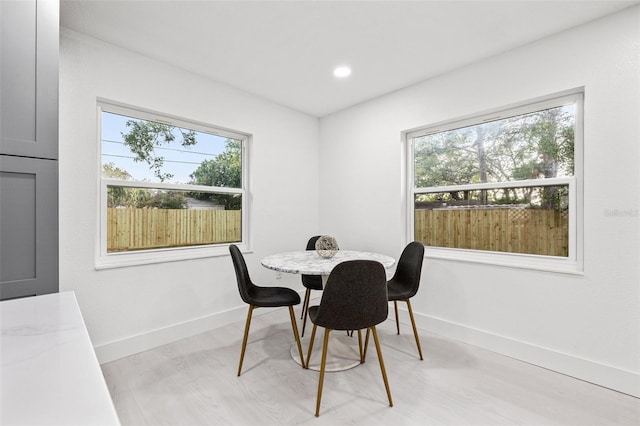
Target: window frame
{"x":573,"y":263}
{"x":105,"y":260}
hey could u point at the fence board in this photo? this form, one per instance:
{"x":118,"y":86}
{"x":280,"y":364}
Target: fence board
{"x":140,"y":229}
{"x":530,"y":231}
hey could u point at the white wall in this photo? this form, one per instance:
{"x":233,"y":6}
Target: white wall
{"x":586,"y":326}
{"x":134,"y":308}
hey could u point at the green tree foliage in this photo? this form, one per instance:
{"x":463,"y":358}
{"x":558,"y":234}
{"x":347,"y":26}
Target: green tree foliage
{"x":225,"y":171}
{"x":145,"y":136}
{"x":119,"y":196}
{"x":532,"y":146}
{"x":141,"y":198}
{"x":110,"y":170}
{"x":162,"y":200}
{"x":444,"y":160}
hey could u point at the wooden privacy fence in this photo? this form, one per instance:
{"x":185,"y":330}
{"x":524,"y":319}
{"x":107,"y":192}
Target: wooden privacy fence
{"x":530,"y":231}
{"x":139,"y":229}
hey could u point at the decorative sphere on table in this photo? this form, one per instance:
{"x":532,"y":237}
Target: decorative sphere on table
{"x":327,"y":246}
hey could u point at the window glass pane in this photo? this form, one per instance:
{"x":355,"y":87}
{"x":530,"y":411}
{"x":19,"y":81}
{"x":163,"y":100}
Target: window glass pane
{"x":530,"y":220}
{"x":143,"y":218}
{"x":135,"y":149}
{"x":532,"y":146}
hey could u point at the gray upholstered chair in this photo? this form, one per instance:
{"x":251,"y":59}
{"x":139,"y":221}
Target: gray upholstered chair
{"x":262,"y":297}
{"x":310,"y":282}
{"x":354,"y":298}
{"x":405,"y":282}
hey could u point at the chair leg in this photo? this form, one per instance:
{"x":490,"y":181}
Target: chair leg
{"x":295,"y":333}
{"x":313,"y":336}
{"x":246,"y":335}
{"x":366,"y":346}
{"x":304,"y":302}
{"x":323,"y":364}
{"x":305,"y":309}
{"x":360,"y":346}
{"x":384,"y":372}
{"x":415,"y":330}
{"x":395,"y":305}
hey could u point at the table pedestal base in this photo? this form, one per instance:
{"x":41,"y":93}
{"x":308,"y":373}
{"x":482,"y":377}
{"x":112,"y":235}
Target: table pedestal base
{"x":343,"y":353}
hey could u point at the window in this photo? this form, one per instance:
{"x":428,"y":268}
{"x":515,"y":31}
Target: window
{"x":170,"y":189}
{"x":500,"y":187}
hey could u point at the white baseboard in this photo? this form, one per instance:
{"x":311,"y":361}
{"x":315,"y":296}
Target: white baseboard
{"x":627,"y":382}
{"x":131,"y":345}
{"x":610,"y":377}
{"x":112,"y":351}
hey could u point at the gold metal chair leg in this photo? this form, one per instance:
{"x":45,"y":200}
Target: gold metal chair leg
{"x":294,"y":325}
{"x":304,"y":302}
{"x":366,"y":345}
{"x":246,"y":335}
{"x":323,"y":364}
{"x":395,"y":305}
{"x":384,"y":372}
{"x":313,"y":336}
{"x":305,"y":309}
{"x":360,"y":346}
{"x":415,"y":330}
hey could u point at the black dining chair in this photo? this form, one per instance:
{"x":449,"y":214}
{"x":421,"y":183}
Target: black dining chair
{"x":405,"y":282}
{"x":354,"y":298}
{"x":310,"y":282}
{"x":262,"y":297}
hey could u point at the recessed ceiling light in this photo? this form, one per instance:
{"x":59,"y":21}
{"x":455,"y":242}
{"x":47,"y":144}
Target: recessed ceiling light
{"x":342,"y":72}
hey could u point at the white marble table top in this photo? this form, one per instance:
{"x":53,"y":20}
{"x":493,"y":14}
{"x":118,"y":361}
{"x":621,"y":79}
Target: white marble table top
{"x":308,"y":262}
{"x":49,"y":373}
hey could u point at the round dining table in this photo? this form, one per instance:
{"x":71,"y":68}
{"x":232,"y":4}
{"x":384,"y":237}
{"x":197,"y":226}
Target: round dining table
{"x":309,"y":262}
{"x":343,"y":352}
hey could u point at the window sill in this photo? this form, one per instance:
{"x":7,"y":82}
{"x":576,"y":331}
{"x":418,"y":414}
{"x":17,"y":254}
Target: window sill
{"x":508,"y":260}
{"x":147,"y":257}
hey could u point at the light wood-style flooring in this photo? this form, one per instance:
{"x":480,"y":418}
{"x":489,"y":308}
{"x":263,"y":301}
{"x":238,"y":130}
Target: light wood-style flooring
{"x":194,"y":382}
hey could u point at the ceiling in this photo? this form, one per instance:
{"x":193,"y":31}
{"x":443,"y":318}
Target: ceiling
{"x":285,"y":51}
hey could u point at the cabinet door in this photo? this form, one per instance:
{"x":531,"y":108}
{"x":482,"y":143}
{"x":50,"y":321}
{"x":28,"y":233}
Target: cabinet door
{"x":29,"y":46}
{"x":28,"y":226}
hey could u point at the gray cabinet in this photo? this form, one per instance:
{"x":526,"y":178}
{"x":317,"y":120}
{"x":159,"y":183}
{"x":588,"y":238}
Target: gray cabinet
{"x":28,"y":226}
{"x":29,"y":34}
{"x":29,"y":39}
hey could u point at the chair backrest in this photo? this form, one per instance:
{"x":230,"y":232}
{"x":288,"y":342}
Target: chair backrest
{"x":311,"y":244}
{"x":242,"y":274}
{"x":312,"y":281}
{"x":410,"y":267}
{"x":354,"y":297}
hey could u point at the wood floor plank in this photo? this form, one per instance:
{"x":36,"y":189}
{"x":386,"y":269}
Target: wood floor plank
{"x":194,"y":382}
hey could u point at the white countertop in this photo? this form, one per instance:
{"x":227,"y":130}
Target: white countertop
{"x":310,"y":263}
{"x":49,"y":373}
